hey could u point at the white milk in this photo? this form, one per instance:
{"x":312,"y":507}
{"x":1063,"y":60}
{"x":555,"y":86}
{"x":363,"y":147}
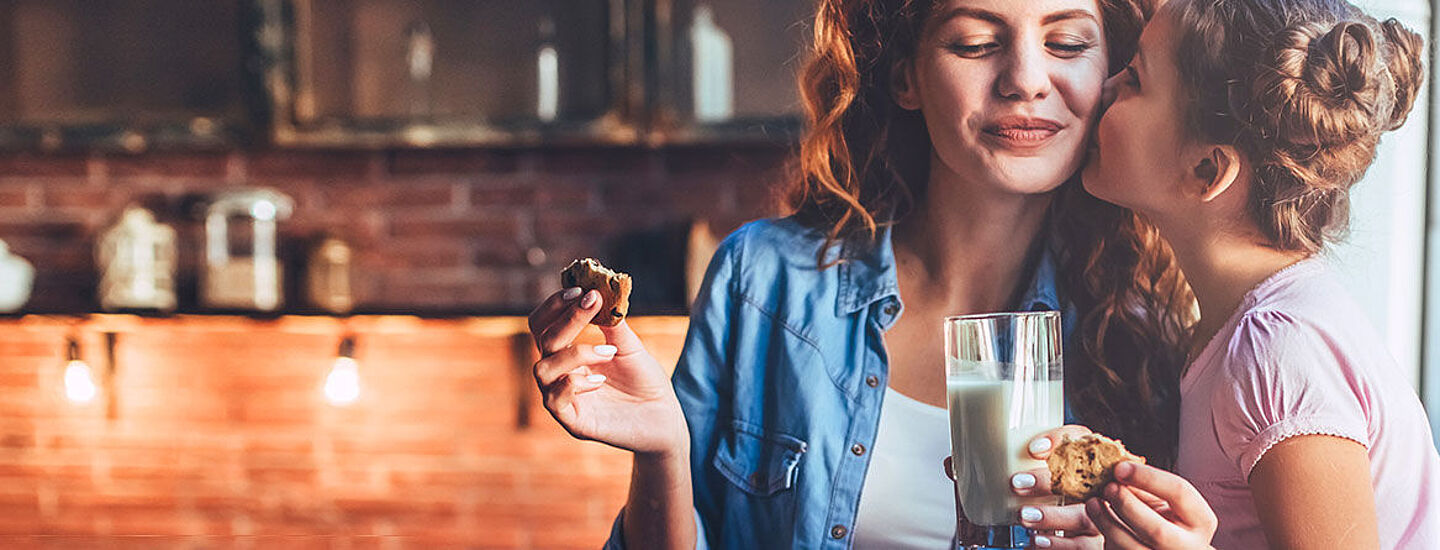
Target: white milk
{"x":991,"y":424}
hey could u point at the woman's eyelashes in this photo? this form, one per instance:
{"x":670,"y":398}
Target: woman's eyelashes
{"x":1063,"y":49}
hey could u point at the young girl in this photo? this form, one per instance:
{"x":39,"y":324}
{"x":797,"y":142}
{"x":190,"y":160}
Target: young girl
{"x":1238,"y":131}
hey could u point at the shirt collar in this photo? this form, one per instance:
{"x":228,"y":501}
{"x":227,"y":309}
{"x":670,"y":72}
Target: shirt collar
{"x":868,"y":275}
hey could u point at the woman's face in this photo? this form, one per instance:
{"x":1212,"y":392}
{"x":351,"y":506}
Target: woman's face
{"x":1136,"y":160}
{"x":1009,"y":90}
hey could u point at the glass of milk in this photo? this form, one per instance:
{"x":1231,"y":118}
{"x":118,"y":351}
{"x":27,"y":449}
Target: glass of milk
{"x":1004,"y":381}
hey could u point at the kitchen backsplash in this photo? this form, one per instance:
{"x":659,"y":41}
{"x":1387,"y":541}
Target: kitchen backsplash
{"x":455,"y":231}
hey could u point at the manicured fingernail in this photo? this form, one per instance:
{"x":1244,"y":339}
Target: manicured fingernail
{"x":1042,"y":541}
{"x":606,"y":350}
{"x":589,"y":299}
{"x":1031,"y":513}
{"x":595,"y":378}
{"x":570,"y":293}
{"x":1022,"y":481}
{"x":1039,"y":445}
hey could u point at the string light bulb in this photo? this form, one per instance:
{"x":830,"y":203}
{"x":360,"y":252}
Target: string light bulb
{"x":80,"y":384}
{"x":342,"y":385}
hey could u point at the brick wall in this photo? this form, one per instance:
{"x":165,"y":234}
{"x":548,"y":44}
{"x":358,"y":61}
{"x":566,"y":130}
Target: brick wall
{"x":447,"y":230}
{"x":215,"y":434}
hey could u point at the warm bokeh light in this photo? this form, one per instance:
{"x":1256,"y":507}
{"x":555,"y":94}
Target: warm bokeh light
{"x":79,"y":382}
{"x":342,"y":385}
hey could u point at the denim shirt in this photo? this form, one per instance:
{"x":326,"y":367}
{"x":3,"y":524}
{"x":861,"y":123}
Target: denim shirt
{"x":781,"y":381}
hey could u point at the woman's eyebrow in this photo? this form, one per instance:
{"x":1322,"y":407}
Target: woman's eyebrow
{"x":1068,"y":15}
{"x":973,"y":13}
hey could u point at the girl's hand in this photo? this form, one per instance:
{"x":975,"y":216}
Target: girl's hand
{"x":615,"y":393}
{"x":1147,"y":507}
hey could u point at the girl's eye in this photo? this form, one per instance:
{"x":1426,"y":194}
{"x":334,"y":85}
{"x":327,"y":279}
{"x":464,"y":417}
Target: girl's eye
{"x":974,"y":50}
{"x":1069,"y":49}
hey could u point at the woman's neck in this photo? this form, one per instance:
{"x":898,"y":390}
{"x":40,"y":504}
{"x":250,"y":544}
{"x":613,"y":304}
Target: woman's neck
{"x":1222,"y":266}
{"x":965,"y":250}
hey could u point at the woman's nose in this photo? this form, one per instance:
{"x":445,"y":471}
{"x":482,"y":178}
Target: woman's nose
{"x":1026,"y":75}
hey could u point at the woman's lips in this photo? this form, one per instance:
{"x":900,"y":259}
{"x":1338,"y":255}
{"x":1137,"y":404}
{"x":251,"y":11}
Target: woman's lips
{"x":1022,"y":132}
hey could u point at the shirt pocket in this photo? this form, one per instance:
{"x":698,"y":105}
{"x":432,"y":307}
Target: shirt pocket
{"x":759,"y":462}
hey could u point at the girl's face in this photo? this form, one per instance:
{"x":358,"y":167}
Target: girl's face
{"x":1138,"y":156}
{"x":1009,"y":90}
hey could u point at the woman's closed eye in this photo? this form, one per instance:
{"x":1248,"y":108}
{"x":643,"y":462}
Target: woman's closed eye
{"x":1066,"y":49}
{"x":973,"y":50}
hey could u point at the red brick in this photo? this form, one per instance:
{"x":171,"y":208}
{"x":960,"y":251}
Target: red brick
{"x":352,"y":165}
{"x":17,"y":197}
{"x":37,"y":165}
{"x":188,"y":165}
{"x":636,"y":162}
{"x":87,"y":197}
{"x":493,"y":227}
{"x":504,"y":195}
{"x":452,"y":161}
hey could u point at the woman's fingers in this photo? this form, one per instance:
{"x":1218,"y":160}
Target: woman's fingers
{"x":1070,"y":518}
{"x":549,"y":310}
{"x":1031,"y":483}
{"x":1184,"y":500}
{"x":565,"y":361}
{"x":1040,"y":446}
{"x":1055,"y":542}
{"x":560,"y":398}
{"x":561,"y":332}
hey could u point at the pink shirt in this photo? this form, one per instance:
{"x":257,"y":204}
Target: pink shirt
{"x":1298,"y":358}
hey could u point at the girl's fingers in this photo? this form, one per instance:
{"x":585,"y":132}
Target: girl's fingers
{"x":549,"y":310}
{"x":558,"y":364}
{"x":1140,"y":518}
{"x":561,"y":332}
{"x":1040,"y":446}
{"x":1069,"y":518}
{"x":1115,"y":533}
{"x":1184,"y":500}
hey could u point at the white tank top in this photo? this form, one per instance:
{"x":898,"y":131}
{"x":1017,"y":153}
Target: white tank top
{"x":906,"y":500}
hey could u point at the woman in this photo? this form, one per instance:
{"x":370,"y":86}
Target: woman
{"x":809,"y":394}
{"x":1239,"y":129}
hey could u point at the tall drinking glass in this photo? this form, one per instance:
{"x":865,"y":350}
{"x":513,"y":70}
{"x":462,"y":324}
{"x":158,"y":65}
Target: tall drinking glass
{"x":1004,"y":379}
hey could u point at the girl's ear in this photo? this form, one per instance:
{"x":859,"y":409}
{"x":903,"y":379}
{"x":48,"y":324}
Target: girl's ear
{"x":1217,"y":171}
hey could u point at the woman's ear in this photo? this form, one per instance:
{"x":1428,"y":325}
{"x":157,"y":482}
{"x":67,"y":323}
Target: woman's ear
{"x":902,"y":86}
{"x":1217,"y":171}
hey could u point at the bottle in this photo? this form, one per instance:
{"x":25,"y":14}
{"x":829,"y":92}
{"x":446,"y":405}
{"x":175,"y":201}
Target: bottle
{"x":17,"y":277}
{"x":547,"y":71}
{"x":712,"y":68}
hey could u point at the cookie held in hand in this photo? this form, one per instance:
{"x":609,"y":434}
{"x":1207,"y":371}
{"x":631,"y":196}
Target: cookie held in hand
{"x":1080,"y":467}
{"x":613,"y":286}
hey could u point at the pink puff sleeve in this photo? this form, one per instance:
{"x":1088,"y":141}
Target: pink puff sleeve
{"x":1289,"y":379}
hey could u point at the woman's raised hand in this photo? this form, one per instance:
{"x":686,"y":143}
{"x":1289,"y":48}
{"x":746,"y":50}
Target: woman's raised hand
{"x":614,"y":393}
{"x":1061,"y":527}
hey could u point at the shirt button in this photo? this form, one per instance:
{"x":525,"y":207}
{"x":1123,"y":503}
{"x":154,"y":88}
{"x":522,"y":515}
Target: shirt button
{"x":838,"y":532}
{"x":892,"y":309}
{"x":858,"y":449}
{"x":872,"y":381}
